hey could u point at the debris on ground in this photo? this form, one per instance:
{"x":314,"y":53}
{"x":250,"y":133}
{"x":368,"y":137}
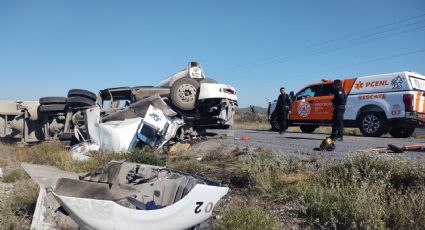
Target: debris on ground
{"x":123,"y":195}
{"x":398,"y":149}
{"x":179,"y":148}
{"x":1,"y":173}
{"x":327,"y":145}
{"x":243,"y":138}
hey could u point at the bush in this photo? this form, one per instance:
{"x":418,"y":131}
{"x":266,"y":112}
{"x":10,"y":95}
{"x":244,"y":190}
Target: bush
{"x":143,"y":157}
{"x":263,"y":172}
{"x":17,"y":207}
{"x":244,"y":217}
{"x":54,"y":154}
{"x":12,"y":176}
{"x":364,"y":192}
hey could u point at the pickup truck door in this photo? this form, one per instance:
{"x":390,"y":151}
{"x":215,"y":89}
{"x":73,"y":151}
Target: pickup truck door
{"x":322,"y":109}
{"x":302,"y":107}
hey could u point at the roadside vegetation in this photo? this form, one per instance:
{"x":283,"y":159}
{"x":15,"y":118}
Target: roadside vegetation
{"x":268,"y":190}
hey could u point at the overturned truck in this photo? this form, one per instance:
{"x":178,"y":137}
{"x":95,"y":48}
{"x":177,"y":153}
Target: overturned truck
{"x":199,"y":102}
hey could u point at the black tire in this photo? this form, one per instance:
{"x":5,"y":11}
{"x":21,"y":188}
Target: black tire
{"x":208,"y":80}
{"x":52,"y":108}
{"x":184,"y":93}
{"x":373,"y":124}
{"x":274,"y":123}
{"x":80,"y":102}
{"x":82,"y":93}
{"x":52,"y":100}
{"x":399,"y":132}
{"x":66,"y":139}
{"x":308,"y":128}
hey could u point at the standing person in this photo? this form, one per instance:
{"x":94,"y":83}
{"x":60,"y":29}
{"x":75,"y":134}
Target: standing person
{"x":283,"y":106}
{"x":338,"y":103}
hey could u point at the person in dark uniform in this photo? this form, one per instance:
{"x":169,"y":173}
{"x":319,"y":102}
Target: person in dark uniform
{"x":338,"y":103}
{"x":283,"y":106}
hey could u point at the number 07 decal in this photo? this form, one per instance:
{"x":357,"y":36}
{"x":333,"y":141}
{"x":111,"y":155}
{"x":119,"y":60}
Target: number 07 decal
{"x":208,"y":207}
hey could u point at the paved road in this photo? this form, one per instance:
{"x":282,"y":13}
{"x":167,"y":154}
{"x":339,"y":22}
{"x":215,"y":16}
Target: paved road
{"x":300,"y":143}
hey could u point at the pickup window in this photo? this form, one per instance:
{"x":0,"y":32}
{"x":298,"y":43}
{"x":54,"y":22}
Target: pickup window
{"x":327,"y":90}
{"x":312,"y":91}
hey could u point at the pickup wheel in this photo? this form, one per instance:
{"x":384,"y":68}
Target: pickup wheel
{"x":82,"y":93}
{"x":274,"y":122}
{"x":184,"y":93}
{"x":373,"y":124}
{"x":52,"y":100}
{"x":308,"y":128}
{"x":399,"y":132}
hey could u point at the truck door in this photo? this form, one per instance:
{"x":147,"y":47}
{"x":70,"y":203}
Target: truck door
{"x":301,"y":109}
{"x":322,"y":108}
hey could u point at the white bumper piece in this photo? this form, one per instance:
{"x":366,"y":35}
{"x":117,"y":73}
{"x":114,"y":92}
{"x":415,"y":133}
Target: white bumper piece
{"x":215,"y":90}
{"x":193,"y":209}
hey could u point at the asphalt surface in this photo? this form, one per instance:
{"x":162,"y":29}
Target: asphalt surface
{"x":304,"y":144}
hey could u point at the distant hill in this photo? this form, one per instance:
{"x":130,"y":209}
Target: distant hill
{"x":258,"y":109}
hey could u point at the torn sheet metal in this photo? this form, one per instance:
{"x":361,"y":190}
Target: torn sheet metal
{"x":114,"y":136}
{"x":124,"y":195}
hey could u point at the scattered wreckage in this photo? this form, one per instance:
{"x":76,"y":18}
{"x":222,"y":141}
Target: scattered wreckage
{"x":181,"y":106}
{"x":122,"y":195}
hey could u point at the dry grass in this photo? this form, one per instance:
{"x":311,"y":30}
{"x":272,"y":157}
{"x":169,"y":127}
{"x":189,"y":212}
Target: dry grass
{"x":54,"y":154}
{"x":252,"y":125}
{"x":363,"y":192}
{"x":17,"y":206}
{"x":246,"y":217}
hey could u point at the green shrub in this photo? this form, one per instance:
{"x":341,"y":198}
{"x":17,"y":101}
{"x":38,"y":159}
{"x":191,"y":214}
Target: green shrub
{"x":54,"y":154}
{"x":262,"y":171}
{"x":244,"y":217}
{"x":17,"y":207}
{"x":140,"y":156}
{"x":12,"y":176}
{"x":364,"y":192}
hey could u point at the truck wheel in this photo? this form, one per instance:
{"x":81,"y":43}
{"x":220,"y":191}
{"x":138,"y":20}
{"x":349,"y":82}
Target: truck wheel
{"x":52,"y":108}
{"x":308,"y":128}
{"x":66,"y":138}
{"x":184,"y":93}
{"x":82,"y":93}
{"x":52,"y":100}
{"x":80,"y":102}
{"x":373,"y":124}
{"x":399,"y":132}
{"x":274,"y":122}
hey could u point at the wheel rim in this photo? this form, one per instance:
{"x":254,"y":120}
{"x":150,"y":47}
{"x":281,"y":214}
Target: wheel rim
{"x":276,"y":124}
{"x":371,"y":124}
{"x":187,"y":93}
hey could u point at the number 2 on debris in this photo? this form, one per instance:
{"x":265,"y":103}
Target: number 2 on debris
{"x":208,"y":207}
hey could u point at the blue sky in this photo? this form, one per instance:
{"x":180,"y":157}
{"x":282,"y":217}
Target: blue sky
{"x":48,"y":47}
